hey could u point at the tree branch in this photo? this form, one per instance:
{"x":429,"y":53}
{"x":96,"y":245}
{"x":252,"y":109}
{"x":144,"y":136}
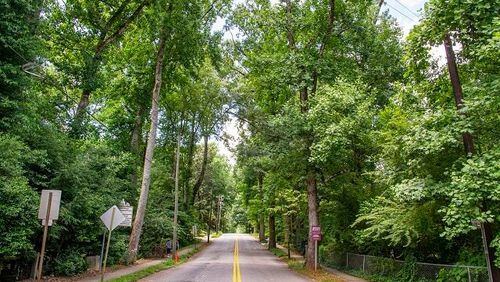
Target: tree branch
{"x":121,"y":29}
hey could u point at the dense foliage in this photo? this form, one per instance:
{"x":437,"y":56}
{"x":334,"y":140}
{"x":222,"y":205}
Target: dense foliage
{"x":76,"y":81}
{"x":343,"y":122}
{"x":383,"y":131}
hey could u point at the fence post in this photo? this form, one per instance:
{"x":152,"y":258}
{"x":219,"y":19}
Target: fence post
{"x":364,"y":260}
{"x":347,"y":261}
{"x":468,"y":273}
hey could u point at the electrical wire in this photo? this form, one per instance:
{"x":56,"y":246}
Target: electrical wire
{"x":403,"y":14}
{"x":408,"y":9}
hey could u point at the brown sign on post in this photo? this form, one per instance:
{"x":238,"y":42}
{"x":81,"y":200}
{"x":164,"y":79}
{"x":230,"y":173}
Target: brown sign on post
{"x":316,"y":236}
{"x":316,"y":233}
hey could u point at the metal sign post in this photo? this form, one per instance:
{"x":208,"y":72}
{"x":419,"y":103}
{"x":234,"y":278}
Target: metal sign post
{"x":102,"y":249}
{"x":111,"y":218}
{"x":316,"y":236}
{"x":48,"y":211}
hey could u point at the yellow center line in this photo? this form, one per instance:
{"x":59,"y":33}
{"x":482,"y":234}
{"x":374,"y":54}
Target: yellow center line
{"x":236,"y":263}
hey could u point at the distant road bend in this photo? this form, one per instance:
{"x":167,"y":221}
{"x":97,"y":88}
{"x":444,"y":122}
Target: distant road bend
{"x":232,"y":258}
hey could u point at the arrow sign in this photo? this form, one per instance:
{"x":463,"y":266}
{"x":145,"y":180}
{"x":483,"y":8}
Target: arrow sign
{"x":115,"y":217}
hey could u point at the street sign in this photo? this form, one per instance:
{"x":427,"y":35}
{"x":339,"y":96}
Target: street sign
{"x":54,"y":206}
{"x":316,"y":236}
{"x":127,"y":212}
{"x":48,"y":212}
{"x":316,"y":233}
{"x":112,"y":218}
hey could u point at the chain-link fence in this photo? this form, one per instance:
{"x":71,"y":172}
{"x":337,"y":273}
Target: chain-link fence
{"x":392,"y":268}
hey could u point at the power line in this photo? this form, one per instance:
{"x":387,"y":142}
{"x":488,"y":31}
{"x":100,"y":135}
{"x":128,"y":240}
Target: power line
{"x":44,"y":76}
{"x":403,"y":14}
{"x":408,"y":9}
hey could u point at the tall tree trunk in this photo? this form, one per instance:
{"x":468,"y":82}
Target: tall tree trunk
{"x":312,"y":205}
{"x":199,"y":181}
{"x":287,"y":233}
{"x":176,"y":193}
{"x":486,"y":229}
{"x":189,"y":169}
{"x":272,"y":225}
{"x":143,"y":198}
{"x":262,"y":228}
{"x":272,"y":231}
{"x":135,"y":142}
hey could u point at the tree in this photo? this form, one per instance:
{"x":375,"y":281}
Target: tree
{"x":310,"y":45}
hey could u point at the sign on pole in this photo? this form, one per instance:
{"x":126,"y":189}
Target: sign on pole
{"x":55,"y":202}
{"x":316,"y":236}
{"x":127,"y":212}
{"x":112,"y":218}
{"x":50,"y":201}
{"x":316,"y":233}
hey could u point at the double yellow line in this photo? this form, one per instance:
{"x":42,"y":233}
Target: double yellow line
{"x":236,"y":263}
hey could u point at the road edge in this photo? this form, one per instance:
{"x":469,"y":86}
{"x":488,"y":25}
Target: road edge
{"x":162,"y":266}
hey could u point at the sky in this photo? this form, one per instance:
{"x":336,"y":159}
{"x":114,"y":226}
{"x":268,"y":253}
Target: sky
{"x":406,"y":13}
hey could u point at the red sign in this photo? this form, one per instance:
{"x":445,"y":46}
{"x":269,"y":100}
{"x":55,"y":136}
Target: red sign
{"x":316,"y":233}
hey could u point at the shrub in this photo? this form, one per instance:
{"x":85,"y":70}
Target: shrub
{"x":70,"y":263}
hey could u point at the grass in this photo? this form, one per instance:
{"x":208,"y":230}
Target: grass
{"x":215,"y":235}
{"x":155,"y":268}
{"x":381,"y":278}
{"x":319,"y":275}
{"x":299,"y":267}
{"x":278,"y":252}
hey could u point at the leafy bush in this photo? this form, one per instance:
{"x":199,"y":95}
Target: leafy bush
{"x":118,"y":247}
{"x":70,"y":263}
{"x":18,"y":202}
{"x":453,"y":274}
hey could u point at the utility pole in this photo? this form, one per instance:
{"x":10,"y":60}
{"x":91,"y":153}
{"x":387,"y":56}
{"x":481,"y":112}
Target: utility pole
{"x":379,"y":7}
{"x":486,"y":232}
{"x":220,"y":200}
{"x":176,"y":196}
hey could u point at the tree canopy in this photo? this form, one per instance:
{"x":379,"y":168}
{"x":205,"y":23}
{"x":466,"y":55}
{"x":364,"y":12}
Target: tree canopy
{"x":343,"y":122}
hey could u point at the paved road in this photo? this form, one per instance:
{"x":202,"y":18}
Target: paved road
{"x":231,"y":257}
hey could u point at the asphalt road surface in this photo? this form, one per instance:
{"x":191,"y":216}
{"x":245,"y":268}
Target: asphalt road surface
{"x":231,"y":257}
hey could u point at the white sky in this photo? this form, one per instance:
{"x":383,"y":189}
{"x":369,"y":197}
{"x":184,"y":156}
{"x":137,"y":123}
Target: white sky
{"x":406,"y":13}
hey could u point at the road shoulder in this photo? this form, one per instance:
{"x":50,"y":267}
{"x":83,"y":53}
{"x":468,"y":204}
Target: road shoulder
{"x":297,"y":263}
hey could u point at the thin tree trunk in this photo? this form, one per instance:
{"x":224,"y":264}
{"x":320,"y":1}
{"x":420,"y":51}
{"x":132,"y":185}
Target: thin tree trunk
{"x":176,"y":193}
{"x":287,"y":233}
{"x":457,"y":90}
{"x":143,"y":198}
{"x":209,"y":227}
{"x":469,"y":150}
{"x":262,"y":230}
{"x":199,"y":181}
{"x":272,"y":231}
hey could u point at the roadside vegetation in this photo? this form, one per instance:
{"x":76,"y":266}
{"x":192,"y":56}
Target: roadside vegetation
{"x":169,"y":263}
